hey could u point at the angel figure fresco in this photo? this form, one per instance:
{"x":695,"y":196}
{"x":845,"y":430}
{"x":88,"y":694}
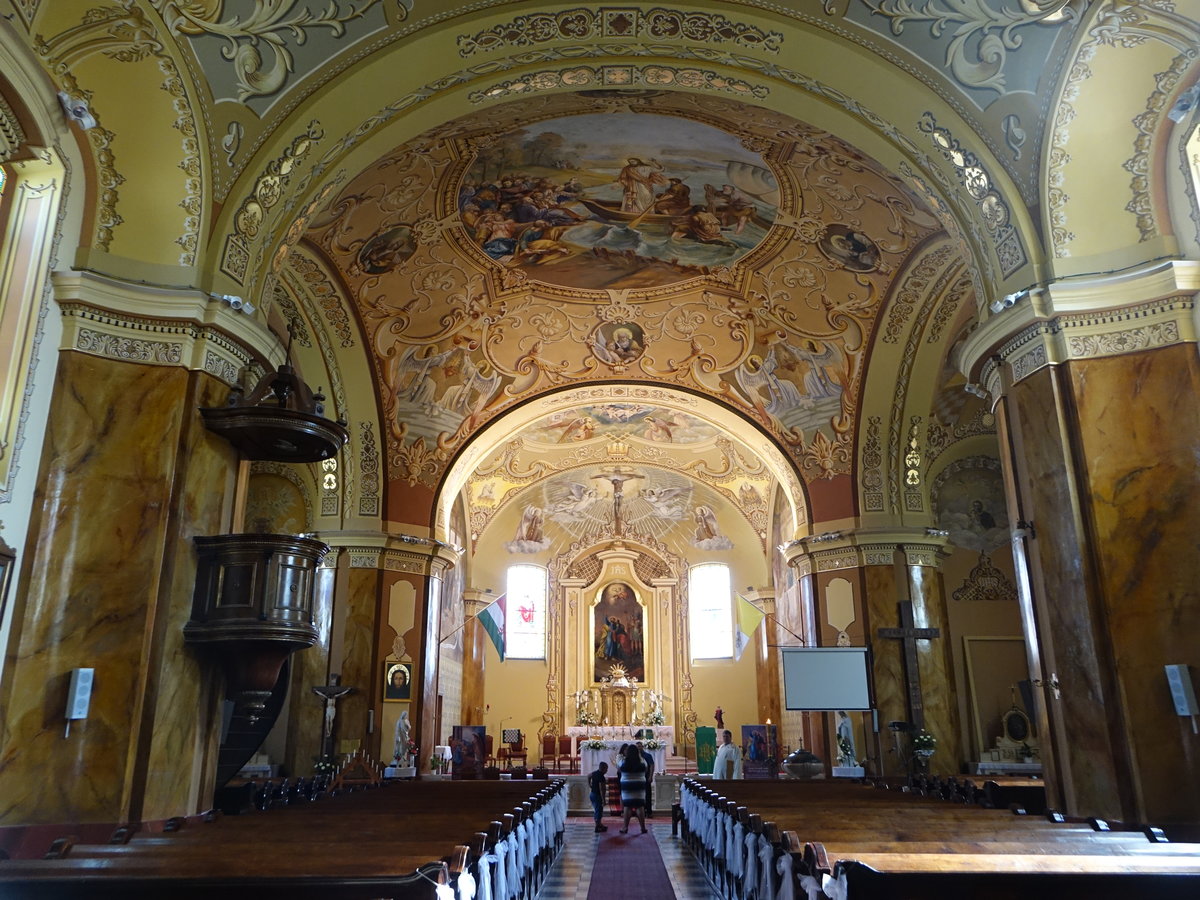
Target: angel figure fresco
{"x":765,"y":389}
{"x":576,"y":428}
{"x":708,"y":532}
{"x":660,"y":428}
{"x":529,"y":537}
{"x":575,"y":500}
{"x":666,"y":501}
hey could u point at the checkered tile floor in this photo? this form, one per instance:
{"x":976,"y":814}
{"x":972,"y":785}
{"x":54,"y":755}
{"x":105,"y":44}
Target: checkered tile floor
{"x":571,"y":876}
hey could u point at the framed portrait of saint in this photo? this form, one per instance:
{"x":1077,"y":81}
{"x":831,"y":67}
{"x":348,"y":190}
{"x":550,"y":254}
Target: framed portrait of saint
{"x":397,"y":681}
{"x":619,"y":632}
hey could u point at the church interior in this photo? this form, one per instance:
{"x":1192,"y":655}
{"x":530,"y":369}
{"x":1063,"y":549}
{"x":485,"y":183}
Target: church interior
{"x":377,"y":374}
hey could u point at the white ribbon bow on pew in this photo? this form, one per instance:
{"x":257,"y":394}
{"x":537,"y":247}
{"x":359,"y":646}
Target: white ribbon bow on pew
{"x":466,"y":885}
{"x":787,"y":884}
{"x":835,"y":888}
{"x":812,"y":887}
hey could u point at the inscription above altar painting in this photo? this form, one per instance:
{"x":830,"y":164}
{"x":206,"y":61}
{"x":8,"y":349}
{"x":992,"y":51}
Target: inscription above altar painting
{"x":617,"y":201}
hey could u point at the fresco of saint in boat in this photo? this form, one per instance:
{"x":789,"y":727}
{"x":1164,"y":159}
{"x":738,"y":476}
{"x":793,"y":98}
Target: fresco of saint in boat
{"x":617,"y":201}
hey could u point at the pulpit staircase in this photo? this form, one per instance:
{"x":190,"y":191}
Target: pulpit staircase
{"x":245,"y":734}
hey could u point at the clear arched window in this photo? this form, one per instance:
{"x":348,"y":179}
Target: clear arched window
{"x":525,"y":616}
{"x":710,"y":600}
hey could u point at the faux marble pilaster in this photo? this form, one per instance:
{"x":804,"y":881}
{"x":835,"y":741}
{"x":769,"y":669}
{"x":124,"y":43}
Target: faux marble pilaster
{"x":1145,"y":515}
{"x":364,"y":588}
{"x":1084,"y":770}
{"x":474,"y":660}
{"x":1139,"y":434}
{"x":891,"y":694}
{"x":181,"y":735}
{"x":310,"y":667}
{"x":936,"y":666}
{"x":116,"y":499}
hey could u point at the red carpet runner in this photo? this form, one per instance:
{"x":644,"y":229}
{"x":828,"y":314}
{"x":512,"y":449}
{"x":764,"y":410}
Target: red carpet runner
{"x":629,"y":866}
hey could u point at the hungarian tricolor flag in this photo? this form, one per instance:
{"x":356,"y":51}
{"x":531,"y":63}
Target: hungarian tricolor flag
{"x":492,"y":619}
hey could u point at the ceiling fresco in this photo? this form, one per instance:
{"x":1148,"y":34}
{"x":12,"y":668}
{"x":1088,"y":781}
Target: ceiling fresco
{"x":462,"y":331}
{"x":617,"y":200}
{"x":682,"y":481}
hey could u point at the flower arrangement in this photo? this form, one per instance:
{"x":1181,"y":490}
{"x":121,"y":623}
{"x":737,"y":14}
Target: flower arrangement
{"x":654,"y":744}
{"x":924,"y":743}
{"x":654,"y":718}
{"x":438,"y":764}
{"x":845,"y":751}
{"x":585,"y":717}
{"x":593,"y":743}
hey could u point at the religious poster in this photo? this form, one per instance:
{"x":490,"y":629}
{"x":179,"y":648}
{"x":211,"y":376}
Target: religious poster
{"x":760,"y":751}
{"x":397,"y":681}
{"x":619,"y":632}
{"x":468,"y":750}
{"x":706,"y":748}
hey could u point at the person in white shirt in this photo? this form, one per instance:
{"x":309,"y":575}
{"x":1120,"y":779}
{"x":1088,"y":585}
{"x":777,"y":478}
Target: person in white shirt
{"x":727,"y":753}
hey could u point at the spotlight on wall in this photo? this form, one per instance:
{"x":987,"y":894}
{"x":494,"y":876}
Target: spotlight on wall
{"x":1008,"y":302}
{"x":1184,"y":104}
{"x":976,"y":390}
{"x":76,"y":109}
{"x":237,"y":304}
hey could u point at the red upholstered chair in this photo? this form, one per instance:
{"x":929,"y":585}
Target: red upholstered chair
{"x":514,"y":748}
{"x":550,"y":751}
{"x":565,"y":755}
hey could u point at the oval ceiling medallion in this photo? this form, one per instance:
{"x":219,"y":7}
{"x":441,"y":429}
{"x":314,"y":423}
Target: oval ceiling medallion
{"x":617,"y":201}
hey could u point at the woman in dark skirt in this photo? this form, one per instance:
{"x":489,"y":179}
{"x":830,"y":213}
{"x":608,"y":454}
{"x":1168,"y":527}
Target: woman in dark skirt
{"x":632,"y":772}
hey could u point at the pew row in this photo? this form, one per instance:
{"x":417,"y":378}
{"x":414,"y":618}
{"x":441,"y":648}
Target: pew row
{"x":406,"y":841}
{"x":779,"y":840}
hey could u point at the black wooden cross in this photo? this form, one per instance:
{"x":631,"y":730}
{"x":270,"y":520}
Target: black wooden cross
{"x":909,"y":636}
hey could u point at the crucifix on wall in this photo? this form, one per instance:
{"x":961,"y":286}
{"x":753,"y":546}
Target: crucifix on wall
{"x":908,"y":636}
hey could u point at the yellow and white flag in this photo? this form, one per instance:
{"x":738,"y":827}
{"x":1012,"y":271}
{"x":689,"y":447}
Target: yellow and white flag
{"x":748,"y":618}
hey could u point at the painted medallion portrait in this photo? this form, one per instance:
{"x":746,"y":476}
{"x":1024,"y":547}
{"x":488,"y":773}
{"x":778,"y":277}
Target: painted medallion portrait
{"x":617,"y":201}
{"x":619,"y":632}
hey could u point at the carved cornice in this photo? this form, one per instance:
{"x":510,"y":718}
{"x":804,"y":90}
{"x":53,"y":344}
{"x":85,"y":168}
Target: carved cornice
{"x":851,"y":550}
{"x":394,"y":552}
{"x":1086,"y":306}
{"x":159,"y":326}
{"x":1111,"y":332}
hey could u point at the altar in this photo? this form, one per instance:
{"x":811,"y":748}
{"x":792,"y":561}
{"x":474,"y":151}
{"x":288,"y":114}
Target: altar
{"x":626,"y":733}
{"x":590,"y":758}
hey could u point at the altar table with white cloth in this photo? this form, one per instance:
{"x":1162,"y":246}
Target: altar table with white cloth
{"x":590,"y":758}
{"x":665,"y":733}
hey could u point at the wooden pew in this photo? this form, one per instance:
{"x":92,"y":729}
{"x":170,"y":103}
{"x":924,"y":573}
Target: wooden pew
{"x":399,"y":841}
{"x":890,"y":844}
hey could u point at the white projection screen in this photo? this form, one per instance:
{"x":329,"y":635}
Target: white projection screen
{"x":825,"y":678}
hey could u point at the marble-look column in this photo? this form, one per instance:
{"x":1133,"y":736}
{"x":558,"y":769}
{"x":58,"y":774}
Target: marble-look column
{"x":859,"y":581}
{"x":390,"y":607}
{"x":310,"y":667}
{"x":128,"y":475}
{"x":474,"y":658}
{"x":1099,"y":417}
{"x":766,"y":659}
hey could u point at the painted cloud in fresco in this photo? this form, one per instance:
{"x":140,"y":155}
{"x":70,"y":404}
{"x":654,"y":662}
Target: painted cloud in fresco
{"x":969,"y":499}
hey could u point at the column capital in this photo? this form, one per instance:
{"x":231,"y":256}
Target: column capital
{"x":393,"y":552}
{"x":854,"y":549}
{"x":1142,"y":308}
{"x":162,"y":326}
